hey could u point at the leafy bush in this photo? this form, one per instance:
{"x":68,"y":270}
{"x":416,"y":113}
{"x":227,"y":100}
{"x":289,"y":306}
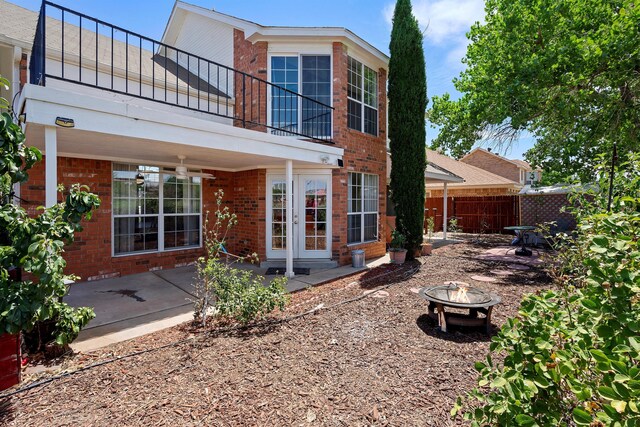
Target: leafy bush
{"x":572,"y":355}
{"x":398,"y":240}
{"x":224,"y":291}
{"x":454,"y":227}
{"x":35,"y":246}
{"x":430,"y":228}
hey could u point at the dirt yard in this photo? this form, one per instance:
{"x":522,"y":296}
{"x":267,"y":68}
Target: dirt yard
{"x":376,"y":360}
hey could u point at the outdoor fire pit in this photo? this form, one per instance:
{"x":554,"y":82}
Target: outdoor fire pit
{"x":460,"y":295}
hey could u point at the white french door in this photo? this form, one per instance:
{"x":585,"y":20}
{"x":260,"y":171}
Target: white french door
{"x":311,"y":216}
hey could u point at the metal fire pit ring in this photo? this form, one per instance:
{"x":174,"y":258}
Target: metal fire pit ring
{"x":481,"y":302}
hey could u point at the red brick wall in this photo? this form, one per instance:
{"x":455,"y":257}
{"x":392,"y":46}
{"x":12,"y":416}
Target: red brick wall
{"x":250,"y":58}
{"x":493,"y":164}
{"x":90,"y":255}
{"x":362,"y":153}
{"x":538,"y":209}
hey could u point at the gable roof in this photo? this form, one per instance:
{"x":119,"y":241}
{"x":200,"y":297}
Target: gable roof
{"x":519,"y":163}
{"x":256,"y":32}
{"x":472,"y":175}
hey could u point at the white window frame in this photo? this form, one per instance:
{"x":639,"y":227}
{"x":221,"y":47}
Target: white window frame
{"x":362,"y":102}
{"x":362,"y":212}
{"x":299,"y":55}
{"x":161,"y":217}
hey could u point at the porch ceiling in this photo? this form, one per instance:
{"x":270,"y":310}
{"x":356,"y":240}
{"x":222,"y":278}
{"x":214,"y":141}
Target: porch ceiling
{"x":119,"y":130}
{"x":85,"y":144}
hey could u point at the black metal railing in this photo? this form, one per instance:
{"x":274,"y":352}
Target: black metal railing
{"x":76,"y":48}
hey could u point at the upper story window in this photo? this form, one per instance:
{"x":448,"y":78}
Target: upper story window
{"x":362,"y":90}
{"x":309,"y":75}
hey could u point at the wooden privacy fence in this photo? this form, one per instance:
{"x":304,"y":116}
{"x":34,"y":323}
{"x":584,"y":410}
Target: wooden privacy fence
{"x":486,"y":214}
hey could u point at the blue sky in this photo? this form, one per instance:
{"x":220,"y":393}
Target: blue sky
{"x":446,"y":22}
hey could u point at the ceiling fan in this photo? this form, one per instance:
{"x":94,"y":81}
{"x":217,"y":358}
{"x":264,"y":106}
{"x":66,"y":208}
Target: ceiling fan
{"x":181,"y":171}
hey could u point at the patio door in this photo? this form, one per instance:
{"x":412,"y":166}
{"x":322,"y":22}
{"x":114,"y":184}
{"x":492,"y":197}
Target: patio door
{"x":311,"y":216}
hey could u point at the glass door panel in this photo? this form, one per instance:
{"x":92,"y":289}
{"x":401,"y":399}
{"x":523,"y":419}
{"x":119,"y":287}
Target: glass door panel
{"x":278,"y":215}
{"x":314,"y":233}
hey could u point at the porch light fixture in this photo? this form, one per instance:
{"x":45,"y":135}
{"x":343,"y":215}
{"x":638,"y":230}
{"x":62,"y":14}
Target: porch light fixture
{"x":181,"y":171}
{"x":139,"y":179}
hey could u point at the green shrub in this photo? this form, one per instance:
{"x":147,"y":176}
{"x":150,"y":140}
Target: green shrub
{"x":572,"y":355}
{"x":239,"y":294}
{"x":35,"y":245}
{"x":398,"y":240}
{"x":224,"y":291}
{"x":430,"y":228}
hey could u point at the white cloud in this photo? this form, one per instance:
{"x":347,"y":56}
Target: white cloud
{"x":446,"y":23}
{"x":444,"y":19}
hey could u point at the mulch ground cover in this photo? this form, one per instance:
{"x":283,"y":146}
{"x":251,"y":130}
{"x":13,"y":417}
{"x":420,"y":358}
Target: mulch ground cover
{"x":361,"y":358}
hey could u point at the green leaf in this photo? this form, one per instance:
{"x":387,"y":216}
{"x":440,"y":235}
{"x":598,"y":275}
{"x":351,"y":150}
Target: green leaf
{"x":599,"y":355}
{"x":608,"y":393}
{"x":525,"y":420}
{"x":499,"y":382}
{"x":581,"y":417}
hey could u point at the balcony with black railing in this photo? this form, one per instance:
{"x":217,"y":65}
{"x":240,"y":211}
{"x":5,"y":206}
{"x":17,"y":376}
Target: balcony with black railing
{"x":74,"y":48}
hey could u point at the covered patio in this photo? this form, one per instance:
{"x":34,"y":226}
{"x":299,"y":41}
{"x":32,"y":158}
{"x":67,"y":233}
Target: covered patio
{"x":73,"y":122}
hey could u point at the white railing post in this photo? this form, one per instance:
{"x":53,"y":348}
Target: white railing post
{"x":51,"y":166}
{"x":289,"y":177}
{"x":444,"y":213}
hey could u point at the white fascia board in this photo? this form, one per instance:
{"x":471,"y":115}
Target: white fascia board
{"x":9,"y":41}
{"x":241,"y":24}
{"x":327,"y":34}
{"x":93,"y":114}
{"x":433,"y":176}
{"x":168,"y":29}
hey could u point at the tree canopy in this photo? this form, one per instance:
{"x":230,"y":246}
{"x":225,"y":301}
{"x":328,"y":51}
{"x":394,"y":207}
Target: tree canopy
{"x":407,"y":105}
{"x":567,"y":71}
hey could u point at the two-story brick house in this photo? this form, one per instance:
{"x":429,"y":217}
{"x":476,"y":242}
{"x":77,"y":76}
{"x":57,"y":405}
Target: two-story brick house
{"x":290,"y":122}
{"x":515,"y":170}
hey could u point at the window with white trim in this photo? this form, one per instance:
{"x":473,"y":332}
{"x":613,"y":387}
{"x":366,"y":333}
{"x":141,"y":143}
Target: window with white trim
{"x":309,"y":75}
{"x":362,"y":216}
{"x":362,"y":93}
{"x":154,"y":210}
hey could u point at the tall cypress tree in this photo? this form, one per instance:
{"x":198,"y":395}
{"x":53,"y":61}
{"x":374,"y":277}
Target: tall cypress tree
{"x":407,"y":105}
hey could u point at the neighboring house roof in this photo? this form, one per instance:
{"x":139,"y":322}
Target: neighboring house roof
{"x":18,"y":25}
{"x":432,"y":173}
{"x":21,"y":29}
{"x":435,"y":173}
{"x":472,"y":175}
{"x":519,"y":163}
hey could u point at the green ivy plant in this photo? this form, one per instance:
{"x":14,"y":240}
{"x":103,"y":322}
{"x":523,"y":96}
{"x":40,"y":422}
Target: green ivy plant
{"x":572,"y":355}
{"x":33,"y":246}
{"x":227,"y":292}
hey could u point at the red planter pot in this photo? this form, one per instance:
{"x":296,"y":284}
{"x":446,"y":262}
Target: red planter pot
{"x":10,"y":366}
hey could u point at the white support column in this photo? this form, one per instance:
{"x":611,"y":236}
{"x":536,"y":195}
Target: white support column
{"x":444,"y":213}
{"x":289,"y":177}
{"x":51,"y":166}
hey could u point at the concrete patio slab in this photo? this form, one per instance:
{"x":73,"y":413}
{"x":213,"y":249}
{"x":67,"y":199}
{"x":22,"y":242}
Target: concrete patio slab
{"x":131,"y":306}
{"x":118,"y":299}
